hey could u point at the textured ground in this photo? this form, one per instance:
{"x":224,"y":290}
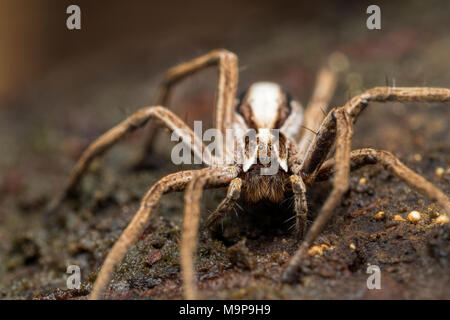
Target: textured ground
{"x":42,"y":135}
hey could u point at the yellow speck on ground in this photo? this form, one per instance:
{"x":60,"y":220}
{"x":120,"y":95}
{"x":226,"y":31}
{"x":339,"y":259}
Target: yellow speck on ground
{"x":414,"y":216}
{"x":442,"y":219}
{"x":315,"y":250}
{"x":380,"y":215}
{"x":362,"y":181}
{"x":318,"y":250}
{"x":418,"y":157}
{"x":352,"y":246}
{"x":439,"y":172}
{"x":398,"y":217}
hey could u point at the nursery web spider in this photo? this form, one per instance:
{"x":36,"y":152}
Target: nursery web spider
{"x":308,"y":139}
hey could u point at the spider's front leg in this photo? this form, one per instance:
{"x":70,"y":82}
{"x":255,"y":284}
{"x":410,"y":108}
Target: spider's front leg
{"x":227,"y":63}
{"x":337,"y":121}
{"x":173,"y":182}
{"x":338,"y":124}
{"x":192,"y":197}
{"x":192,"y":180}
{"x":325,"y":138}
{"x":117,"y":133}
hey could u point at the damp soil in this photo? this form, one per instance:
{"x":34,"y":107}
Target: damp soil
{"x":43,"y":133}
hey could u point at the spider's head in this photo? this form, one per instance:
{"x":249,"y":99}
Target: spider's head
{"x":265,"y":149}
{"x":265,"y":166}
{"x":264,"y":108}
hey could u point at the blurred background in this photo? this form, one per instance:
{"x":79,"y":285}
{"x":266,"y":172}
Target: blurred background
{"x":35,"y":41}
{"x":60,"y":88}
{"x":82,"y":81}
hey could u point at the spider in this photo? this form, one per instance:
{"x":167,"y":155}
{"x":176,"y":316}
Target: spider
{"x":309,"y":137}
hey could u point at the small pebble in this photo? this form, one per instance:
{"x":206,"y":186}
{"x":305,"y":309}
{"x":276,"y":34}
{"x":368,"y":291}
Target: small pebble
{"x":352,"y":246}
{"x":414,"y":216}
{"x":439,"y":172}
{"x":418,"y":157}
{"x":442,"y":219}
{"x":318,"y":250}
{"x":380,"y":215}
{"x":398,"y":217}
{"x":362,"y":181}
{"x":315,"y":250}
{"x":153,"y":257}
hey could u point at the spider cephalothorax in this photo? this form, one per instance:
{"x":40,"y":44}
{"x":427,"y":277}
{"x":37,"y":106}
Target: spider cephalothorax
{"x":279,"y":150}
{"x":267,"y":110}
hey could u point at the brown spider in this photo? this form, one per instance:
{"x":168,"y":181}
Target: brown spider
{"x":301,"y":157}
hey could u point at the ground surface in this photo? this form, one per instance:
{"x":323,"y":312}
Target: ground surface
{"x":42,"y":135}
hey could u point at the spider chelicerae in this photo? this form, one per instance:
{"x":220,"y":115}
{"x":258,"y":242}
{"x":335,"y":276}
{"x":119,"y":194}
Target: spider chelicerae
{"x":308,"y":137}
